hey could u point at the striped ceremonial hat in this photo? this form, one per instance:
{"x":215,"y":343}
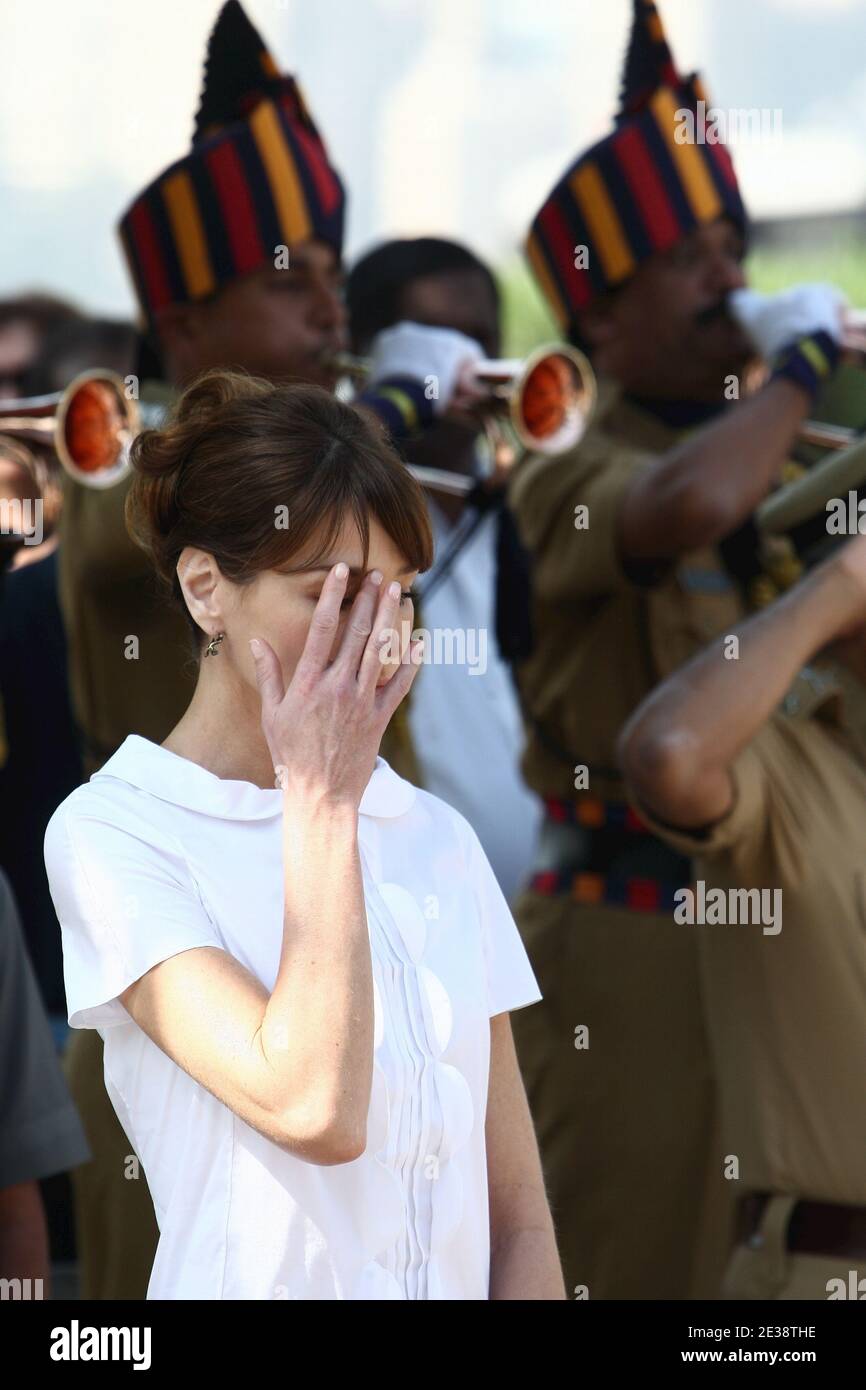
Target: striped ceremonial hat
{"x":257,"y":177}
{"x":661,"y":173}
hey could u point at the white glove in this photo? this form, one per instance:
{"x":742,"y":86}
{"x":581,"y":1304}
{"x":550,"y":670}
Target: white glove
{"x":435,"y":357}
{"x":776,"y":321}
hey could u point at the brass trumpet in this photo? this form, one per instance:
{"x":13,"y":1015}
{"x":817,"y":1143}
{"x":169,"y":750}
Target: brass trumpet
{"x":90,"y":425}
{"x":547,"y":399}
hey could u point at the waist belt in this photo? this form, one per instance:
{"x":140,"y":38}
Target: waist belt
{"x":600,"y":852}
{"x":815,"y":1228}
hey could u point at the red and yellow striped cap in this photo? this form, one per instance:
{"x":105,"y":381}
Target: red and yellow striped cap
{"x":257,"y":177}
{"x":639,"y":190}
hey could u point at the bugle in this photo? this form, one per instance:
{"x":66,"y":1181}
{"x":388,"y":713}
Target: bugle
{"x":790,"y":530}
{"x":806,"y":497}
{"x":90,"y":425}
{"x":547,"y":398}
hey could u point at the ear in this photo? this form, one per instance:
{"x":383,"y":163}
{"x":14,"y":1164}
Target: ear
{"x":199,"y":578}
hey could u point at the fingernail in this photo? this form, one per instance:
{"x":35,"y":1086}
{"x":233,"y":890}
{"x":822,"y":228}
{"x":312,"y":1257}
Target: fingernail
{"x":394,"y":590}
{"x":376,"y":577}
{"x":341,"y":570}
{"x":255,"y":646}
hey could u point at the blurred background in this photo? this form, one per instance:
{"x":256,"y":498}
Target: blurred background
{"x":451,"y":118}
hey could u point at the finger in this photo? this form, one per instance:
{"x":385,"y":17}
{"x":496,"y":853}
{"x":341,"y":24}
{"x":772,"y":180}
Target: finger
{"x":382,"y":637}
{"x":390,"y":695}
{"x":326,"y":617}
{"x":360,"y":624}
{"x":269,"y":676}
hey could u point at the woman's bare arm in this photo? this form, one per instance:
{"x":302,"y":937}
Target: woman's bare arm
{"x":524,"y":1262}
{"x":278,"y":1061}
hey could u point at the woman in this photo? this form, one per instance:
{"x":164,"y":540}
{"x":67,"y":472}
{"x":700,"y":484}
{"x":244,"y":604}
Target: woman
{"x":301,"y":965}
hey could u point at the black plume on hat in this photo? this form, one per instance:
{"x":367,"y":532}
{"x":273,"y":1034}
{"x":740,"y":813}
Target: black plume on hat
{"x":648,"y":60}
{"x":238,"y":71}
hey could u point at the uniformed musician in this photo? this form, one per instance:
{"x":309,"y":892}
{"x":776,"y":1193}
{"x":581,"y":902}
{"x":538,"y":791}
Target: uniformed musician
{"x":638,"y":249}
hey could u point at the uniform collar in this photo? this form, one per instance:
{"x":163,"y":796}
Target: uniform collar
{"x":653,"y":426}
{"x":677,"y":415}
{"x":145,"y":764}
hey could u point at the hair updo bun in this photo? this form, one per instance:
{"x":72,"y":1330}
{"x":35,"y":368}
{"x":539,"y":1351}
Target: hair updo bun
{"x":158,"y":456}
{"x":236,"y":452}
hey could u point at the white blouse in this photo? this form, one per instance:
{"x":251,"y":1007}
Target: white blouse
{"x":154,"y":856}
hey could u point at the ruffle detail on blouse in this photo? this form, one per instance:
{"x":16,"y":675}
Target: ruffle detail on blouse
{"x":382,"y":1210}
{"x":421,"y":1004}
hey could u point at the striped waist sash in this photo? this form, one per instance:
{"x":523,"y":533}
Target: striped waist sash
{"x":600,"y":852}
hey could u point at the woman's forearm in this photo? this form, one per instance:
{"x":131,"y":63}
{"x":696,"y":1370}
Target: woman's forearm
{"x":318,"y":1025}
{"x":525,"y":1266}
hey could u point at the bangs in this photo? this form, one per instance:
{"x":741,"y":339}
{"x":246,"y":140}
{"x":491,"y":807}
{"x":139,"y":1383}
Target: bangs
{"x":335,"y":490}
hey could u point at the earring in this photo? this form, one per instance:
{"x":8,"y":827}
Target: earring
{"x":212,"y":648}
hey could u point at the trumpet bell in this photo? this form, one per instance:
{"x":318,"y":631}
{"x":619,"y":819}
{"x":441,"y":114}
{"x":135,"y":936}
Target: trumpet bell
{"x":548,"y":396}
{"x":96,"y":423}
{"x":90,"y":426}
{"x":552,"y":399}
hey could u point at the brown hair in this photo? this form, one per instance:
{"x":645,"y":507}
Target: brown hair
{"x":235,"y":450}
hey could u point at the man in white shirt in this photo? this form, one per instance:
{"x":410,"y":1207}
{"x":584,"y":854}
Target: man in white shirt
{"x":463,"y":714}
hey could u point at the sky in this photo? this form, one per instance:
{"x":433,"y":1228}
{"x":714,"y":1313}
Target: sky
{"x":452,"y":118}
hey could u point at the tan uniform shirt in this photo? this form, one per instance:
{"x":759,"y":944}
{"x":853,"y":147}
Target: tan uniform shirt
{"x":601,"y":641}
{"x":787,"y":1011}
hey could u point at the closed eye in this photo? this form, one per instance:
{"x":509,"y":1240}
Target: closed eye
{"x":406,"y":595}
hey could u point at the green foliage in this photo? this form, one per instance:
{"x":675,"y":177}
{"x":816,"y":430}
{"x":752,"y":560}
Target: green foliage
{"x":839,"y":260}
{"x":526,"y":319}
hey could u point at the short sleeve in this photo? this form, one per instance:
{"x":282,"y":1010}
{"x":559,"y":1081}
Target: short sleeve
{"x":124,"y":904}
{"x":575,"y":552}
{"x":511,"y":983}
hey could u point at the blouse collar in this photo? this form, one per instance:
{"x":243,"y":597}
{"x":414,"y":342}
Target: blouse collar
{"x":178,"y":780}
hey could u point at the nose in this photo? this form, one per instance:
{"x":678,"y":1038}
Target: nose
{"x":725,"y":274}
{"x":329,"y":309}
